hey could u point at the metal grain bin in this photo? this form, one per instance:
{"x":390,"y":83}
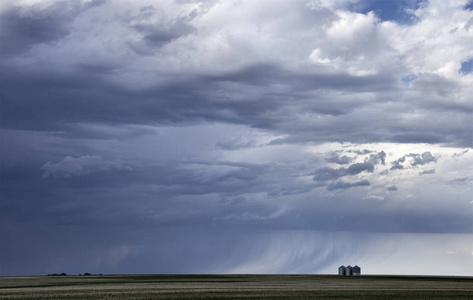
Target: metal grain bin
{"x":356,"y":271}
{"x":349,"y":271}
{"x":342,"y":271}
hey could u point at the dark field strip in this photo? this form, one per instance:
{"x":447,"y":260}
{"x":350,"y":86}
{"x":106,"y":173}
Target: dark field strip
{"x":235,"y":287}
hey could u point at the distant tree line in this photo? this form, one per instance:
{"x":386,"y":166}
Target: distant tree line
{"x":64,"y":274}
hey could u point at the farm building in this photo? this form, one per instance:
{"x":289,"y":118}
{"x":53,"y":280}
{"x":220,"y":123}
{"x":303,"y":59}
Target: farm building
{"x":349,"y":271}
{"x":356,"y":271}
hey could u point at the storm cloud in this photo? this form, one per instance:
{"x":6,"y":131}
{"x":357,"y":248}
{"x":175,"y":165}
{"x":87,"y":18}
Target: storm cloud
{"x":38,"y":24}
{"x":235,"y":136}
{"x":345,"y":185}
{"x":328,"y":173}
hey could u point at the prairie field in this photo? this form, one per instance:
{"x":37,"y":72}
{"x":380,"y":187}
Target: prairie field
{"x":235,"y":287}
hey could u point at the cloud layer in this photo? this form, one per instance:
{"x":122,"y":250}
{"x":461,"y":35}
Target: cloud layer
{"x":302,"y":121}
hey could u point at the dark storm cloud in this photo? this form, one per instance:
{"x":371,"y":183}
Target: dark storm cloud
{"x":360,"y":167}
{"x":22,"y":28}
{"x":80,"y":96}
{"x":83,"y":94}
{"x":94,"y":198}
{"x":69,"y":97}
{"x":438,"y":87}
{"x":354,"y":169}
{"x":337,"y":159}
{"x":378,"y":158}
{"x":418,"y":138}
{"x":397,"y":165}
{"x":422,"y":159}
{"x":361,"y":152}
{"x":233,"y":200}
{"x":413,"y":159}
{"x":268,"y":74}
{"x":83,"y":165}
{"x":170,"y":179}
{"x":158,"y":33}
{"x":368,"y":165}
{"x":431,"y":171}
{"x":120,"y":215}
{"x":340,"y":184}
{"x":233,"y":144}
{"x":160,"y":139}
{"x":178,"y":250}
{"x":49,"y":100}
{"x":329,"y":173}
{"x":101,"y":132}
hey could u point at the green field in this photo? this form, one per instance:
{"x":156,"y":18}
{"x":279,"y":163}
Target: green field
{"x":235,"y":287}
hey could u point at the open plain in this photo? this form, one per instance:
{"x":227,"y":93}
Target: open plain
{"x":235,"y":287}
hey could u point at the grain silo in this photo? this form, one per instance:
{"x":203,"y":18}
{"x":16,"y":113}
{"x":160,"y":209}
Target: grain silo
{"x":349,"y":271}
{"x":356,"y":271}
{"x":342,"y":271}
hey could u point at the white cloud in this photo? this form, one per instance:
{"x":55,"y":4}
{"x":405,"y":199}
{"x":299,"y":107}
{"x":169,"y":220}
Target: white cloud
{"x":439,"y":42}
{"x":316,"y":57}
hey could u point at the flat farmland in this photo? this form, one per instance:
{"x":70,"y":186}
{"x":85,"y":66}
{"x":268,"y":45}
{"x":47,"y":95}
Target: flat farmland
{"x":235,"y":287}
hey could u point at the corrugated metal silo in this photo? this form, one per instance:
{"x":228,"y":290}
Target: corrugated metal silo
{"x":356,"y":271}
{"x":349,"y":271}
{"x":342,"y":271}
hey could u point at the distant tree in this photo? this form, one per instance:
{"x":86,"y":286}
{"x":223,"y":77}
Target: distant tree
{"x":87,"y":274}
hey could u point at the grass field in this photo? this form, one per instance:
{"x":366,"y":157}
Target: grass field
{"x":235,"y":287}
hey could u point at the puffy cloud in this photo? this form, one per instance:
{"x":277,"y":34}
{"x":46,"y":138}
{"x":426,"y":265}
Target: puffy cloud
{"x":354,"y":169}
{"x":413,"y":159}
{"x":397,"y":165}
{"x":337,"y":159}
{"x":378,"y":158}
{"x":423,"y":159}
{"x":360,"y":167}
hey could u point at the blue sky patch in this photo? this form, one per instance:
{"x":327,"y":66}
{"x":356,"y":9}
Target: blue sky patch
{"x":389,"y":10}
{"x":467,"y":67}
{"x":406,"y":80}
{"x":469,"y":6}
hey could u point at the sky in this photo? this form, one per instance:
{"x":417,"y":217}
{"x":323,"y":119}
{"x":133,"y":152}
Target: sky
{"x":224,"y":137}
